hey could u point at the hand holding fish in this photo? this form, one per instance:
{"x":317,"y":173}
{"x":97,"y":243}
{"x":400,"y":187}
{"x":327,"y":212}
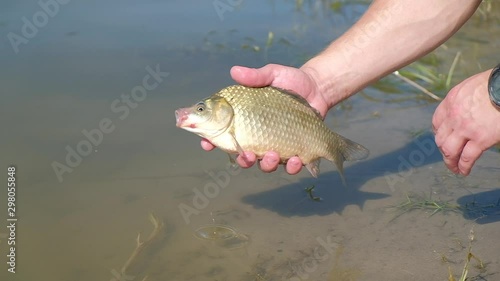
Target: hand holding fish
{"x":290,"y":78}
{"x":297,"y":80}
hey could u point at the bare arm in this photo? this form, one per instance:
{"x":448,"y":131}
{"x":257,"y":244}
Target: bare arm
{"x":390,"y":35}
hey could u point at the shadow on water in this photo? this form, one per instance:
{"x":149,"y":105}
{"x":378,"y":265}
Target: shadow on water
{"x":482,"y":207}
{"x":292,"y":199}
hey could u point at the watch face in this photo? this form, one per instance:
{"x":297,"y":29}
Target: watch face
{"x":494,"y":85}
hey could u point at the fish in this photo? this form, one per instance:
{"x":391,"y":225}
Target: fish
{"x":260,"y":119}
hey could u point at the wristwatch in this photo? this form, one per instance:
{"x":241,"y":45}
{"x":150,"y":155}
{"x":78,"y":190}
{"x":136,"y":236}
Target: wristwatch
{"x":494,"y":86}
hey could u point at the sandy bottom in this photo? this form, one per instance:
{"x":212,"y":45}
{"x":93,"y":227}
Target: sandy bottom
{"x":85,"y":227}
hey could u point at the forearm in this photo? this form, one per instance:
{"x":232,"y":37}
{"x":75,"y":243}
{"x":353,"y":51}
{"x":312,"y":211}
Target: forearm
{"x":390,"y":35}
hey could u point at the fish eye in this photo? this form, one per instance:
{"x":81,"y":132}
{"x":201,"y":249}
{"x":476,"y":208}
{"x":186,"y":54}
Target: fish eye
{"x":200,"y":107}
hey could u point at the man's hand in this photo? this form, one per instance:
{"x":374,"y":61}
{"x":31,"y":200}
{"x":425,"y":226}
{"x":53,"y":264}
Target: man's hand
{"x":288,"y":78}
{"x":466,"y":123}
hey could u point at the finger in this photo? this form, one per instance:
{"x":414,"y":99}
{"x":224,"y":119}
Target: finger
{"x":439,"y":115}
{"x":206,"y":144}
{"x":246,"y":160}
{"x":442,"y":133}
{"x":445,"y":112}
{"x":470,"y":154}
{"x":270,"y":162}
{"x":293,"y":165}
{"x":452,"y":149}
{"x":253,"y":77}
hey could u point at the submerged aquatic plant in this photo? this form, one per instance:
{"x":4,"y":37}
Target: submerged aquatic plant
{"x":470,"y":256}
{"x":426,"y":71}
{"x":415,"y":133}
{"x":415,"y":202}
{"x":309,"y":191}
{"x":138,"y":261}
{"x":424,"y":75}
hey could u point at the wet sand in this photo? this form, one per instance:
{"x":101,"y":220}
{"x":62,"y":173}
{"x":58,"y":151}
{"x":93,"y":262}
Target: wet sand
{"x":91,"y":222}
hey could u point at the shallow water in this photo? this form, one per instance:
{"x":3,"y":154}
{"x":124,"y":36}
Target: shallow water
{"x":71,"y":79}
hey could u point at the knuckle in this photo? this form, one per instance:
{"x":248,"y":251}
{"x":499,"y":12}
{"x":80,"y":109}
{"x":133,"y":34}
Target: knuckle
{"x":434,"y":122}
{"x":448,"y":152}
{"x":483,"y":138}
{"x":439,"y":141}
{"x":452,"y":94}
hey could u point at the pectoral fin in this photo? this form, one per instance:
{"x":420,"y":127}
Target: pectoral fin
{"x":236,"y":144}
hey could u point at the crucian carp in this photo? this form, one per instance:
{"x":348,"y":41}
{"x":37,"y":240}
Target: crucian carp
{"x":239,"y":118}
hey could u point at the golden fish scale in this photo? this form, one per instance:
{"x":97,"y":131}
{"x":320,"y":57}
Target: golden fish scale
{"x":266,"y":119}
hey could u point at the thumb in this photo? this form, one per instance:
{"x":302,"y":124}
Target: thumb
{"x":254,"y":77}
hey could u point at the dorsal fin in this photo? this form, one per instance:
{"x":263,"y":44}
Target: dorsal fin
{"x":300,"y":99}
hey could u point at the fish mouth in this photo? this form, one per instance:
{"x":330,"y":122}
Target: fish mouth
{"x":181,"y":115}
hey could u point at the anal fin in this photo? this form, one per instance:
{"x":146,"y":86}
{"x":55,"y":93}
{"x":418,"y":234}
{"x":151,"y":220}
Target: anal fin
{"x":339,"y":162}
{"x":313,"y":167}
{"x":343,"y":149}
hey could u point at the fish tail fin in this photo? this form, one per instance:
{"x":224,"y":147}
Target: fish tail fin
{"x":343,"y":149}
